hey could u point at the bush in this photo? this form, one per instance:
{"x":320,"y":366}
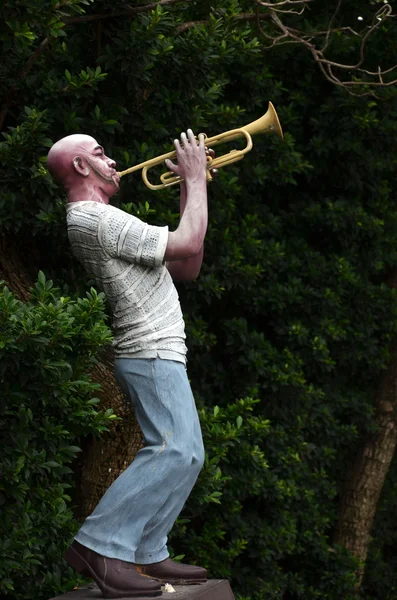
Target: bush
{"x":47,"y":346}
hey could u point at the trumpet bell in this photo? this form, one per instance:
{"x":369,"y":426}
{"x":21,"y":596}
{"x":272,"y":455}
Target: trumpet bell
{"x":268,"y":123}
{"x":269,"y":120}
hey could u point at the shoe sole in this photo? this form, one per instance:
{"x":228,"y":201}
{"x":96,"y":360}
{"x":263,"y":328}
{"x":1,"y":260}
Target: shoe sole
{"x":81,"y":566}
{"x":181,"y":581}
{"x":173,"y":581}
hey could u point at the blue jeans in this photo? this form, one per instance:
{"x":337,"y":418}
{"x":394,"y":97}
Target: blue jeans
{"x":134,"y":517}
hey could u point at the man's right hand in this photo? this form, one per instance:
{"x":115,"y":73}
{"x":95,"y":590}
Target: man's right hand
{"x":191,"y":157}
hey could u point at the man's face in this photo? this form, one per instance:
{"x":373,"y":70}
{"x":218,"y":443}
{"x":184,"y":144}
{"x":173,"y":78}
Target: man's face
{"x":102,"y":168}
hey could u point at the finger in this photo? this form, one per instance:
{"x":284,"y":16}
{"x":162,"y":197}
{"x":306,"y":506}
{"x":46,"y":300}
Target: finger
{"x":177,"y":146}
{"x":192,"y":139}
{"x":210,"y":152}
{"x":171,"y":166}
{"x":184,"y":139}
{"x":201,"y":141}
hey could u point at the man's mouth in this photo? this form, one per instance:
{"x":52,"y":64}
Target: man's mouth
{"x":116,"y":177}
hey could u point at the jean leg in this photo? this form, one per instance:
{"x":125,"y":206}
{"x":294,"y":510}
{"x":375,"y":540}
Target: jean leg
{"x":158,"y":528}
{"x":158,"y":390}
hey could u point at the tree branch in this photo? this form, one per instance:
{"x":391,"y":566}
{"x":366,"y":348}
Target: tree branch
{"x":326,"y":65}
{"x":275,"y":6}
{"x":330,"y":30}
{"x":240,"y":17}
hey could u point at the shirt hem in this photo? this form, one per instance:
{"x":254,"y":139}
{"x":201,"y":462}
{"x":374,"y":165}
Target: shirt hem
{"x":163,"y":354}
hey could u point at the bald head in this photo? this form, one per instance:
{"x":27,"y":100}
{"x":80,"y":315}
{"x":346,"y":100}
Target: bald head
{"x":62,"y":154}
{"x":79,"y":163}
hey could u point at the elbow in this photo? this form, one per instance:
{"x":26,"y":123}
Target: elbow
{"x":183,"y":272}
{"x":182,"y":249}
{"x":190,"y":275}
{"x":193,"y":246}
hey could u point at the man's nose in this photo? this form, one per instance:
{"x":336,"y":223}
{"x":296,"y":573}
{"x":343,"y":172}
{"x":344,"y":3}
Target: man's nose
{"x":111,"y":163}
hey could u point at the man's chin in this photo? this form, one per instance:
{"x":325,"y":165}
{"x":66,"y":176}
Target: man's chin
{"x":113,"y":187}
{"x":110,"y":186}
{"x":116,"y":189}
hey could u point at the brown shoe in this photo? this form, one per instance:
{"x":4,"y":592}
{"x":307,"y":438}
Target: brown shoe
{"x":170,"y":571}
{"x":115,"y":578}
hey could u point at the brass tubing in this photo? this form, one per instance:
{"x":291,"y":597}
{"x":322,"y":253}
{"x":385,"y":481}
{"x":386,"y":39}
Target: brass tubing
{"x":268,"y":122}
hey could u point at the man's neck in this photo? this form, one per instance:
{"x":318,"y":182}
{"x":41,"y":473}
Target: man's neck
{"x":87,"y":193}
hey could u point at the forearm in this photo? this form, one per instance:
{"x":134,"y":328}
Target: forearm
{"x":182,"y":199}
{"x":189,"y":268}
{"x":194,"y":220}
{"x":187,"y":241}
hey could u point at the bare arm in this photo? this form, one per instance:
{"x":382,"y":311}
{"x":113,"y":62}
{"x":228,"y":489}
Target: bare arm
{"x":186,"y":242}
{"x":189,"y":268}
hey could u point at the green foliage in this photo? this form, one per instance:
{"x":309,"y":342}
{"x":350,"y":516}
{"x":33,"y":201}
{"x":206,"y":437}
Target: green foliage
{"x":48,"y":402}
{"x":289,"y":324}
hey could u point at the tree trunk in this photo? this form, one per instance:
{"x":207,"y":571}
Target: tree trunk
{"x":13,"y":271}
{"x":367,"y":473}
{"x":106,"y":457}
{"x":366,"y":476}
{"x":103,"y":458}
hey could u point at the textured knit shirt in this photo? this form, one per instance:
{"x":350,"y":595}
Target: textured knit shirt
{"x":126,"y":258}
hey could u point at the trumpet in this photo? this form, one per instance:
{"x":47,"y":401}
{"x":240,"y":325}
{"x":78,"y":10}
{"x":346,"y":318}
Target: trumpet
{"x":268,"y":123}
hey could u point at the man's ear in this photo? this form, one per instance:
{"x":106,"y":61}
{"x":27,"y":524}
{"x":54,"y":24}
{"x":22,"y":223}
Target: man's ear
{"x":80,"y":166}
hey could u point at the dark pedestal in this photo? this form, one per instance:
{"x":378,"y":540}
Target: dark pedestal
{"x":214,"y":589}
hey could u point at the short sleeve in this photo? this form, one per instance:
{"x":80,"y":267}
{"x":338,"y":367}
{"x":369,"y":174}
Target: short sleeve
{"x":127,"y":237}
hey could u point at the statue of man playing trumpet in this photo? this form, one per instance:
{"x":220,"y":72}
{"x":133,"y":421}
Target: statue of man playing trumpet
{"x":122,"y":545}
